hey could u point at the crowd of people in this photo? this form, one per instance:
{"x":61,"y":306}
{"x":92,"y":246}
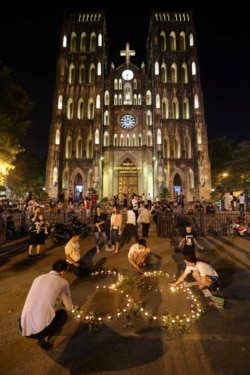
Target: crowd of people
{"x":41,"y":319}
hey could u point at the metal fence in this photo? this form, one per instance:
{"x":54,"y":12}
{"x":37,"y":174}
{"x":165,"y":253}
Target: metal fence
{"x":203,"y":224}
{"x":168,"y":224}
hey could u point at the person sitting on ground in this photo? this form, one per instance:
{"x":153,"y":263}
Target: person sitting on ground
{"x":137,"y":255}
{"x":203,"y":273}
{"x":39,"y":318}
{"x":76,"y":264}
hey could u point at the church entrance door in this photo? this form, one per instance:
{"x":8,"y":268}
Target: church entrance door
{"x":127,"y":179}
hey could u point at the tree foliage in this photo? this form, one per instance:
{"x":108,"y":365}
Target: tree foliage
{"x":15,"y":106}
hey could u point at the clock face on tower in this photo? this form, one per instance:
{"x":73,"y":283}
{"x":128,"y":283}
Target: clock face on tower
{"x":127,"y":74}
{"x":128,"y":121}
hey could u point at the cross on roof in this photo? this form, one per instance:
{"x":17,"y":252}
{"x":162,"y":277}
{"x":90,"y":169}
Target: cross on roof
{"x":127,"y":52}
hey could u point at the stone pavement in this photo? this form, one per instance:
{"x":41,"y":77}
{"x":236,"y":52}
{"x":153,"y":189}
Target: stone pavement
{"x":217,"y":343}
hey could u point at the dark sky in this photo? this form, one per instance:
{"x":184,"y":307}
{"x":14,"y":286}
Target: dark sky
{"x":29,"y":46}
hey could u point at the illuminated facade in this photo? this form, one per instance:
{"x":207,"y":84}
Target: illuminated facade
{"x":128,"y":129}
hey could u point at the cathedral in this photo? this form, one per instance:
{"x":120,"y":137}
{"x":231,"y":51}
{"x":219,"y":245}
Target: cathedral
{"x":128,"y":129}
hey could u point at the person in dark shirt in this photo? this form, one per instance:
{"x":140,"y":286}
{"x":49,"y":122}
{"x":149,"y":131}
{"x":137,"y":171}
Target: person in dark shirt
{"x":188,"y":242}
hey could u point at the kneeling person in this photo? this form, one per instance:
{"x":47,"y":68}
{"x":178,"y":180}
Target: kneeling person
{"x":137,"y":254}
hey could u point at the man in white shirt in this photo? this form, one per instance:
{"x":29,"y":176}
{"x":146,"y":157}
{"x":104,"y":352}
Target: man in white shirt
{"x":137,"y":255}
{"x":130,"y":230}
{"x":39,"y":318}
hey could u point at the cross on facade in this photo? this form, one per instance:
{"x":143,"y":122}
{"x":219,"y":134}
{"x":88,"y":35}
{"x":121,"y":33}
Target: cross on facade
{"x":127,"y":52}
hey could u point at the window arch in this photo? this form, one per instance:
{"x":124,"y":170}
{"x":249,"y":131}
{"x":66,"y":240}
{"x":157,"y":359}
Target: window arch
{"x":106,"y":97}
{"x":186,"y":112}
{"x":60,"y":102}
{"x":89,"y":147}
{"x":92,"y":73}
{"x":121,"y":140}
{"x":163,"y":43}
{"x":97,"y":137}
{"x":99,"y":40}
{"x":139,"y":99}
{"x":172,"y":41}
{"x":91,"y":111}
{"x":81,"y":78}
{"x":80,"y":109}
{"x":57,"y":137}
{"x":191,"y":179}
{"x":174,"y":77}
{"x":159,"y":140}
{"x":191,"y":40}
{"x":70,"y":109}
{"x":193,"y":68}
{"x":73,"y":42}
{"x":68,"y":148}
{"x":115,"y":84}
{"x":115,"y":140}
{"x":83,"y":42}
{"x":55,"y":176}
{"x":92,"y":42}
{"x":98,"y":101}
{"x":71,"y":75}
{"x":149,"y":118}
{"x":148,"y":97}
{"x":157,"y":101}
{"x":188,"y":147}
{"x":99,"y":69}
{"x":149,"y":139}
{"x":177,"y":147}
{"x":183,"y":46}
{"x":106,"y":139}
{"x":184,"y":73}
{"x":175,"y":108}
{"x":163,"y":73}
{"x":166,"y":148}
{"x":106,"y":118}
{"x":157,"y":69}
{"x":165,"y":109}
{"x":79,"y":147}
{"x":196,"y":102}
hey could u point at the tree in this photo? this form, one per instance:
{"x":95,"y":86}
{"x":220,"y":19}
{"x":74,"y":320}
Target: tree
{"x":15,"y":106}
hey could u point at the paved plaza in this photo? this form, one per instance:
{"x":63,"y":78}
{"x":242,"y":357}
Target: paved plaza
{"x":216,"y":343}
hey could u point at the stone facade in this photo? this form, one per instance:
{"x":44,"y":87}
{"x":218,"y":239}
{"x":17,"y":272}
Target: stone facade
{"x":128,"y":129}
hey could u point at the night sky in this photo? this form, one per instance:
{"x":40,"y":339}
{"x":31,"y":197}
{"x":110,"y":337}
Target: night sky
{"x":29,"y":46}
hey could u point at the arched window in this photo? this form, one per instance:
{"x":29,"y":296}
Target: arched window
{"x":165,"y":109}
{"x":175,"y":108}
{"x":185,"y":109}
{"x":71,"y":75}
{"x":106,"y":97}
{"x":93,"y":42}
{"x":149,"y":139}
{"x":159,"y":140}
{"x":115,"y":140}
{"x":99,"y":40}
{"x":68,"y":148}
{"x":121,"y":140}
{"x":184,"y":73}
{"x":81,"y":78}
{"x":106,"y":139}
{"x":139,"y":99}
{"x":174,"y":77}
{"x":193,"y":68}
{"x":157,"y":101}
{"x":157,"y":69}
{"x":148,"y":97}
{"x":80,"y":109}
{"x":70,"y":109}
{"x":89,"y":147}
{"x":172,"y":41}
{"x":106,"y":118}
{"x":73,"y":42}
{"x":191,"y":40}
{"x":163,"y":73}
{"x":79,"y":147}
{"x":91,"y":111}
{"x":83,"y":42}
{"x":97,"y":137}
{"x":65,"y":41}
{"x":98,"y":101}
{"x":183,"y":46}
{"x":177,"y":147}
{"x":149,"y":118}
{"x":162,"y":41}
{"x":57,"y":137}
{"x":92,"y":73}
{"x":115,"y":84}
{"x":196,"y":102}
{"x":60,"y":102}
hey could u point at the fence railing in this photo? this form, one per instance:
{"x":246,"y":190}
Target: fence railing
{"x":168,"y":224}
